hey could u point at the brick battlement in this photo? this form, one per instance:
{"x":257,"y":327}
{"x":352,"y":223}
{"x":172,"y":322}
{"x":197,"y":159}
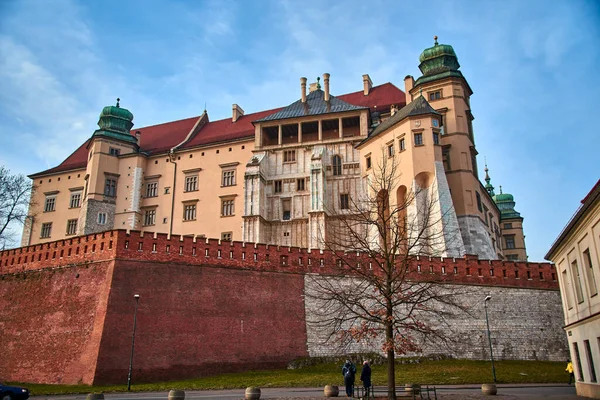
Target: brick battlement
{"x":190,"y":250}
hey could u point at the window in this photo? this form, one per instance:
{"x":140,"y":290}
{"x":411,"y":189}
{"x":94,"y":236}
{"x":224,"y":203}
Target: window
{"x":587,"y":262}
{"x":478,"y":196}
{"x":227,"y":207}
{"x":508,"y":226}
{"x":150,"y":217}
{"x":286,"y":208}
{"x":512,"y":257}
{"x":344,"y":202}
{"x":590,"y":359}
{"x":418,"y":139}
{"x":226,"y":236}
{"x":577,"y":281}
{"x":300,"y":184}
{"x":71,"y":227}
{"x":114,"y":152}
{"x":110,"y":187}
{"x":337,"y":165}
{"x":446,"y":158}
{"x":436,"y":137}
{"x":435,"y":123}
{"x":75,"y":200}
{"x":435,"y":95}
{"x":189,"y":212}
{"x":485,"y":215}
{"x":567,"y":291}
{"x":368,"y":162}
{"x":509,"y":240}
{"x":191,"y":183}
{"x":46,"y":230}
{"x":402,"y":144}
{"x":50,"y":204}
{"x":228,"y":178}
{"x":278,"y":186}
{"x":390,"y":150}
{"x":289,"y":156}
{"x":579,"y":371}
{"x":101,"y":218}
{"x":152,"y":189}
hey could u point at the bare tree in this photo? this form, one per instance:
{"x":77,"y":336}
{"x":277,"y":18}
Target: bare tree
{"x":14,"y":202}
{"x":377,"y":293}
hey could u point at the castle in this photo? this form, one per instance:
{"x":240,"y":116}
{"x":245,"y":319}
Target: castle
{"x":281,"y":176}
{"x":215,"y":227}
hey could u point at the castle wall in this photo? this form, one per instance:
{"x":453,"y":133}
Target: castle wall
{"x":195,"y":320}
{"x":51,"y":323}
{"x":66,"y":307}
{"x":525,"y":324}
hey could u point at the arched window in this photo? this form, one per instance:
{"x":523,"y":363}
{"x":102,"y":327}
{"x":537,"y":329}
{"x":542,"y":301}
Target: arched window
{"x":337,"y":165}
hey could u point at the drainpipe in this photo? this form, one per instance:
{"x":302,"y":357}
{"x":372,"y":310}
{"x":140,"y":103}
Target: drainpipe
{"x":172,"y":160}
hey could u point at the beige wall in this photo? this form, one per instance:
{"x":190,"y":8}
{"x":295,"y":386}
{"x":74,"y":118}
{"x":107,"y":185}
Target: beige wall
{"x":579,"y":285}
{"x":64,"y":184}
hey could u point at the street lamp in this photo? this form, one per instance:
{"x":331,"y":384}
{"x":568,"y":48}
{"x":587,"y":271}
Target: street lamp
{"x":487,"y":322}
{"x":137,"y":300}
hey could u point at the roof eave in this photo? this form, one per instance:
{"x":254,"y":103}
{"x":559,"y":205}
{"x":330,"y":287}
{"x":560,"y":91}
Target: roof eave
{"x":589,"y":201}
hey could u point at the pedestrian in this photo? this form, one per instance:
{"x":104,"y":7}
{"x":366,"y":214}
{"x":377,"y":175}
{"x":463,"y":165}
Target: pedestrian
{"x":349,"y":372}
{"x":569,"y":369}
{"x":365,"y":377}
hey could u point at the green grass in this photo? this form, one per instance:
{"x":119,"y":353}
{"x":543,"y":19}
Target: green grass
{"x":452,"y":372}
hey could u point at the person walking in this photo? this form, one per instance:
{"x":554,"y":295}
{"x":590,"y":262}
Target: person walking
{"x":569,"y":369}
{"x":365,"y":377}
{"x":349,"y":373}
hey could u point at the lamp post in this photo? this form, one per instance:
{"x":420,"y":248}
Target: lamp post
{"x":137,"y":300}
{"x":487,"y":322}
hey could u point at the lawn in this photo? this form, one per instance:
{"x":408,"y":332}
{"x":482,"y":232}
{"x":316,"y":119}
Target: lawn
{"x":425,"y":372}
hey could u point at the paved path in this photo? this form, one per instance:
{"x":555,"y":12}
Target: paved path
{"x":445,"y":392}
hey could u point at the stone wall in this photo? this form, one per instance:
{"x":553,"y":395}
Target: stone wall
{"x":525,"y":324}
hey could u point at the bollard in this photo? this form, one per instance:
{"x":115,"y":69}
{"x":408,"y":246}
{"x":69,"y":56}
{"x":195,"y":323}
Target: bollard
{"x":252,"y":393}
{"x":176,"y":395}
{"x":331,"y":391}
{"x":489,"y":389}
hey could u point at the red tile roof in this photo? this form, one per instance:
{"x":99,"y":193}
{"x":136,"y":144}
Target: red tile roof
{"x":160,"y":138}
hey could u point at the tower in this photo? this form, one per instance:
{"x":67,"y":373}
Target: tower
{"x":112,"y":140}
{"x":448,"y":92}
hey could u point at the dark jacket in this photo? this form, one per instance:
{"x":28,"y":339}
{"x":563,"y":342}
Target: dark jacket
{"x":365,"y":375}
{"x":349,"y":372}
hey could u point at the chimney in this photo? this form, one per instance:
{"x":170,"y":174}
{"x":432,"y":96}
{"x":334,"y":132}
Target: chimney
{"x":409,"y":83}
{"x":326,"y":84}
{"x":367,"y":84}
{"x":237,"y":112}
{"x":393,"y":110}
{"x":138,"y":137}
{"x":303,"y":89}
{"x":312,"y":87}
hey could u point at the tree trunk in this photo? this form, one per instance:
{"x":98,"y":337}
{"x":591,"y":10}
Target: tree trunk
{"x":391,"y":371}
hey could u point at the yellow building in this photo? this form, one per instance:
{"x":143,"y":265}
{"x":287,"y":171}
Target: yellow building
{"x":280,"y":176}
{"x":576,"y":253}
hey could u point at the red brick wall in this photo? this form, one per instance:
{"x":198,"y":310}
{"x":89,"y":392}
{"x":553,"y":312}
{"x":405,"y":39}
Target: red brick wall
{"x":195,"y":320}
{"x":51,"y":323}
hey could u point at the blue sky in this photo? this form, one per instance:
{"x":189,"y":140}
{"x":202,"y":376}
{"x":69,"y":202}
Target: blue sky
{"x":533,"y":67}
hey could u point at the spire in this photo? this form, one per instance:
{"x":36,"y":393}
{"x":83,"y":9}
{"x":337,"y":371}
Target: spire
{"x":318,"y":83}
{"x":488,"y":185}
{"x":435,"y":42}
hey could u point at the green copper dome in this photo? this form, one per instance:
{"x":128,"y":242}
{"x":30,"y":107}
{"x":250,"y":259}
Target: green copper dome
{"x":438,"y":62}
{"x":506,"y":205}
{"x":437,"y":59}
{"x":116,"y":122}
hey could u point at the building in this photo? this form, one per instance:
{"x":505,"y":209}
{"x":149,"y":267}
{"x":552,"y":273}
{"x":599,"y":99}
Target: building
{"x":282,"y":176}
{"x":576,"y":253}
